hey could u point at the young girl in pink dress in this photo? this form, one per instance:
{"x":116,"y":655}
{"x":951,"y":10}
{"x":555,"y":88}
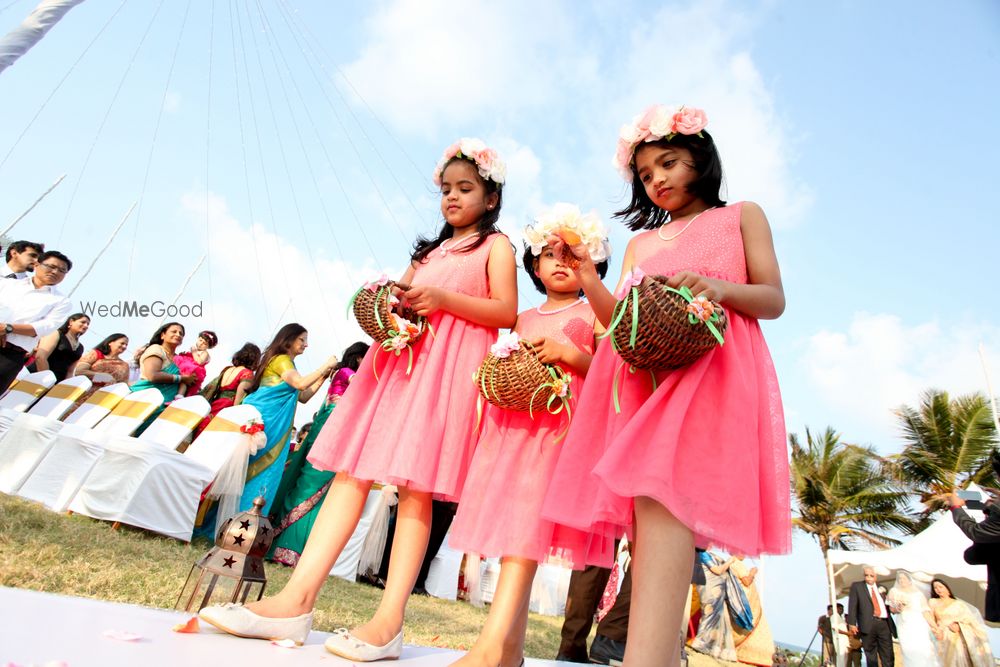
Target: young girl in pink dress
{"x":410,"y":428}
{"x":500,"y":513}
{"x":194,"y":361}
{"x":699,"y":457}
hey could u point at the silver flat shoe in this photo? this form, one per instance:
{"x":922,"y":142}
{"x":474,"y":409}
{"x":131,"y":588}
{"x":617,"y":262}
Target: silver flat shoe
{"x":346,"y":645}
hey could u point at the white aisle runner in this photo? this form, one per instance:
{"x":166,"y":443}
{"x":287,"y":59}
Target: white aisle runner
{"x":37,"y":628}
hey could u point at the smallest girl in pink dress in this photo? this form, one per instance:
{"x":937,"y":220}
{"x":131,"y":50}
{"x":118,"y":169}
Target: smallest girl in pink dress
{"x":500,"y":510}
{"x":194,"y":361}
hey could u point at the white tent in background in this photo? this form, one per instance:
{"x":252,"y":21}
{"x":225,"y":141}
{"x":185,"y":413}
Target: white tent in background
{"x":936,"y":551}
{"x":17,"y":42}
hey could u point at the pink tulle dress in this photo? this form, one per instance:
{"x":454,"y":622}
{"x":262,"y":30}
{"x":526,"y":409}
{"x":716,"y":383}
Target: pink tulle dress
{"x":500,"y":513}
{"x":708,"y":443}
{"x":188,"y":366}
{"x":416,"y":430}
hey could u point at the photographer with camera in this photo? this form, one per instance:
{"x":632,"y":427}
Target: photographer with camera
{"x":985,"y":536}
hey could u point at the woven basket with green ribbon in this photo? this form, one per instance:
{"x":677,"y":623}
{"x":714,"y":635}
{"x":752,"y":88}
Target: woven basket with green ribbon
{"x":514,"y":379}
{"x":382,"y":317}
{"x":657,"y":327}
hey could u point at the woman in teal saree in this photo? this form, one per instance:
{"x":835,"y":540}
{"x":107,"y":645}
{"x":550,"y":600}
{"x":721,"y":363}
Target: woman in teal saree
{"x":303,"y":487}
{"x":157,"y":369}
{"x":277,"y":389}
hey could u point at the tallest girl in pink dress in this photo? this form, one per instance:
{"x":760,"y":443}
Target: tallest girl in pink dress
{"x":412,"y":427}
{"x":699,"y":458}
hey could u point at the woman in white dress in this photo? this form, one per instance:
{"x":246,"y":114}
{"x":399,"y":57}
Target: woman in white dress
{"x":915,"y":623}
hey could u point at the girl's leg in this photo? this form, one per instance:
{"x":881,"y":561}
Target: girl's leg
{"x":501,"y":641}
{"x":335,"y":523}
{"x":409,"y":544}
{"x":661,"y":570}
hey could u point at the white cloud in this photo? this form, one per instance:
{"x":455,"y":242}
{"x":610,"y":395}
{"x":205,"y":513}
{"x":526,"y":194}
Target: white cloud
{"x":436,"y":64}
{"x":879,"y":362}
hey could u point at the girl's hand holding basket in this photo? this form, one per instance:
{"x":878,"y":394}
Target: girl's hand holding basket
{"x":514,"y":377}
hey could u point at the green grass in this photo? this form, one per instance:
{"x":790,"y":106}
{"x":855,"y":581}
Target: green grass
{"x":73,"y":555}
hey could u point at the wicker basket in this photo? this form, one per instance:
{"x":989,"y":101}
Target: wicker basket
{"x":512,"y":383}
{"x":373,"y":313}
{"x":665,"y":337}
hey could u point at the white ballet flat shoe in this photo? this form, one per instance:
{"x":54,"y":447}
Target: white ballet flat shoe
{"x":240,"y":621}
{"x":346,"y":645}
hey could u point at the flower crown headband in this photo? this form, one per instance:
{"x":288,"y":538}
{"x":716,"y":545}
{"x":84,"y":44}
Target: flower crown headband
{"x":566,"y":222}
{"x":655,"y":123}
{"x":490,"y":166}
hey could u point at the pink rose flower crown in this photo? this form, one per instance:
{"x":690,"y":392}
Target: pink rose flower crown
{"x":486,"y":159}
{"x":657,"y":122}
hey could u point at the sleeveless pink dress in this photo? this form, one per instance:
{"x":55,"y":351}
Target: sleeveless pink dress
{"x":500,"y":513}
{"x":708,"y":443}
{"x":417,"y":430}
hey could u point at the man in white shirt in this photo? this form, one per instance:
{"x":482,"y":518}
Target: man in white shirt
{"x":21,"y":259}
{"x":869,"y":617}
{"x":29,"y":309}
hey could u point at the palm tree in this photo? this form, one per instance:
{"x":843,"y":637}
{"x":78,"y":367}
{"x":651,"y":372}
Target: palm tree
{"x":948,"y":445}
{"x":843,"y":497}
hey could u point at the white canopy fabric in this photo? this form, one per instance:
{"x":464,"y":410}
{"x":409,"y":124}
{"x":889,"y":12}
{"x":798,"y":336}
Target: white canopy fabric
{"x":934,"y":552}
{"x":17,"y":42}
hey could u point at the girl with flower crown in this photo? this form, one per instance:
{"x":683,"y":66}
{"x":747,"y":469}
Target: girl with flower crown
{"x":411,"y":426}
{"x":500,"y":515}
{"x":690,"y":457}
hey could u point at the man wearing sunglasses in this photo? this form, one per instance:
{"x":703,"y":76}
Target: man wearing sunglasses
{"x":29,"y":309}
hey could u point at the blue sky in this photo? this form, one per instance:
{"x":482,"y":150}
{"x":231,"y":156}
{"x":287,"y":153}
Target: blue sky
{"x":866,"y":131}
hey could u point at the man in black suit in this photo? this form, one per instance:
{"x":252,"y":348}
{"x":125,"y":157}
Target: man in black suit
{"x":869,"y":616}
{"x":985,"y":549}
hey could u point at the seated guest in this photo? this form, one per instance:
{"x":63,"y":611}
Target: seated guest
{"x":60,"y":351}
{"x":21,"y":258}
{"x":230,"y":387}
{"x":157,"y":369}
{"x":29,"y":309}
{"x":103,"y":364}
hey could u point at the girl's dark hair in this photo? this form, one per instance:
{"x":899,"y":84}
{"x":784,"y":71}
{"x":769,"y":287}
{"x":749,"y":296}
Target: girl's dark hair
{"x":210,"y":338}
{"x":157,"y":337}
{"x":352,"y":356}
{"x":529,"y":259}
{"x":247,"y":356}
{"x":642,"y":213}
{"x":487,"y":224}
{"x":64,"y":329}
{"x":279,"y":345}
{"x":104,"y":347}
{"x":942,"y":582}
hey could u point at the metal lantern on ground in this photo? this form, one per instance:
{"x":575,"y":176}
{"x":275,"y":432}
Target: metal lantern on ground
{"x":234,"y":565}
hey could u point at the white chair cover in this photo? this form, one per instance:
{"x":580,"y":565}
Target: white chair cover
{"x":346,"y":566}
{"x":125,"y":418}
{"x":130,"y":412}
{"x":24,"y":444}
{"x":58,"y":400}
{"x":177,"y":421}
{"x":141,"y":483}
{"x":442,"y":577}
{"x":549,"y":590}
{"x":7,"y":417}
{"x":25,"y":391}
{"x":98,"y":406}
{"x":60,"y":474}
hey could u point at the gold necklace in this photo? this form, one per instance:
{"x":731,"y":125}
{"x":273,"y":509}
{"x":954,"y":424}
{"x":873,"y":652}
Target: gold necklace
{"x":659,"y":230}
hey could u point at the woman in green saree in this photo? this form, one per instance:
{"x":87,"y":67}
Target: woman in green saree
{"x":277,"y":389}
{"x":157,"y":369}
{"x":303,"y":487}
